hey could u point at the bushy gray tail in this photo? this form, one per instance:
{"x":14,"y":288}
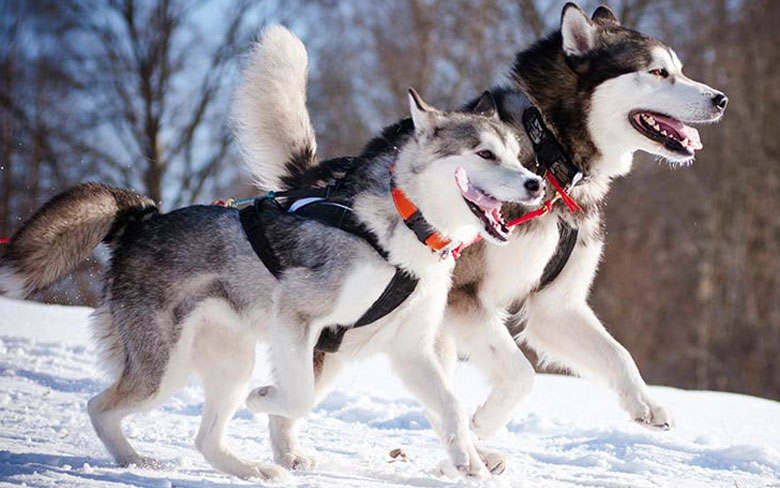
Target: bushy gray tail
{"x":269,"y":111}
{"x":64,"y":232}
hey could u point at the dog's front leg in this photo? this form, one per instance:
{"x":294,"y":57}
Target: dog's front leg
{"x":291,"y":346}
{"x":418,"y":368}
{"x":285,"y":445}
{"x":493,"y":350}
{"x":562,"y":326}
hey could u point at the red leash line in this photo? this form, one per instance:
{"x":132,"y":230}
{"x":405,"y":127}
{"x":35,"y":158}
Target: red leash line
{"x":547,"y":206}
{"x":5,"y":240}
{"x":569,"y":201}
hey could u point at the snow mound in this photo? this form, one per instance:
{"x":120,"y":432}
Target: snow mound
{"x":570,"y":433}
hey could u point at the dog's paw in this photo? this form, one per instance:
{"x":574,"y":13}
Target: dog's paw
{"x":473,"y":471}
{"x":446,"y":469}
{"x":495,"y":463}
{"x":269,"y":472}
{"x":464,"y":462}
{"x":656,"y":418}
{"x":143,"y":462}
{"x":476,"y":471}
{"x":646,"y":412}
{"x":265,"y":472}
{"x":297,"y":460}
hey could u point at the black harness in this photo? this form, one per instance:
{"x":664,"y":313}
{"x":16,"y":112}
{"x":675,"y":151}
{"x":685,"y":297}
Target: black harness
{"x":318,"y":204}
{"x":323,"y":205}
{"x":552,"y":157}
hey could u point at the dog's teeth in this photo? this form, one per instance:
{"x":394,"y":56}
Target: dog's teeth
{"x":663,"y":132}
{"x":651,"y":120}
{"x":685,"y":142}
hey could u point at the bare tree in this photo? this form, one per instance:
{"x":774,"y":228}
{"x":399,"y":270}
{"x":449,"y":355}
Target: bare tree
{"x":159,"y":81}
{"x":129,"y":93}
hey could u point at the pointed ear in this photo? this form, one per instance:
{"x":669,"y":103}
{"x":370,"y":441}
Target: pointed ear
{"x":422,"y":113}
{"x":486,"y":106}
{"x":579,"y":34}
{"x":605,"y":15}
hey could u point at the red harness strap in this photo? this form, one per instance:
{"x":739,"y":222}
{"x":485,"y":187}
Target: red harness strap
{"x":5,"y":240}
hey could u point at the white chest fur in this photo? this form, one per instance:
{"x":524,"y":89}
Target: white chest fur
{"x":516,"y":268}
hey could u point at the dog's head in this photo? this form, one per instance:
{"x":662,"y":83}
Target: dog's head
{"x":460,"y":167}
{"x":628,"y":88}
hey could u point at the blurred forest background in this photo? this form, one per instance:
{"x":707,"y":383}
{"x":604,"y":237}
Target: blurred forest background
{"x":136,"y":93}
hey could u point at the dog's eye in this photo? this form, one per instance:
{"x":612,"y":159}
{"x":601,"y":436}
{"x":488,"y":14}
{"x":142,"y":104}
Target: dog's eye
{"x":486,"y":154}
{"x":660,"y":72}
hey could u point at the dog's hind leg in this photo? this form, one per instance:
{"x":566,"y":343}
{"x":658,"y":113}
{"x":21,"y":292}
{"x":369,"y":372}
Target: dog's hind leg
{"x":143,"y":381}
{"x":284,"y":431}
{"x":224,"y":357}
{"x":106,"y":411}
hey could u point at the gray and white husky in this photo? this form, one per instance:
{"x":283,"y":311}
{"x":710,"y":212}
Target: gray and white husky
{"x":185,"y":292}
{"x":605,"y":92}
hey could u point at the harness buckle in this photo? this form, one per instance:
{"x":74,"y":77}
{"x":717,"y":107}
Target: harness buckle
{"x":450,"y":250}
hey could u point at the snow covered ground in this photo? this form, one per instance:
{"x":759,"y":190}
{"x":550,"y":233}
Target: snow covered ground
{"x":570,"y":432}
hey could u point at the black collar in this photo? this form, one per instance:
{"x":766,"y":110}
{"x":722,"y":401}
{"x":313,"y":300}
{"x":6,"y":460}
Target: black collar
{"x":550,"y":154}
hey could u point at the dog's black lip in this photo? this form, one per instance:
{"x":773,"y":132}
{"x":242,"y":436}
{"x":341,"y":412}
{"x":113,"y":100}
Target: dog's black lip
{"x":668,"y":142}
{"x":476,"y":210}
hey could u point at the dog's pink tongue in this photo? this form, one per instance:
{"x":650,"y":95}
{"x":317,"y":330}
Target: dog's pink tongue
{"x":684,"y":130}
{"x":692,"y":135}
{"x":471,"y":193}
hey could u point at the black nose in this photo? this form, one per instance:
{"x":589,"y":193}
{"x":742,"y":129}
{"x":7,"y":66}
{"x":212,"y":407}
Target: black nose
{"x":720,"y":101}
{"x":532,"y":185}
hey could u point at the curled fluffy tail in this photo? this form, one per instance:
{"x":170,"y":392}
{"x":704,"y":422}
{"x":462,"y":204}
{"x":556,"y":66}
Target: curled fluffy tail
{"x":63,"y":233}
{"x":269,"y":111}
